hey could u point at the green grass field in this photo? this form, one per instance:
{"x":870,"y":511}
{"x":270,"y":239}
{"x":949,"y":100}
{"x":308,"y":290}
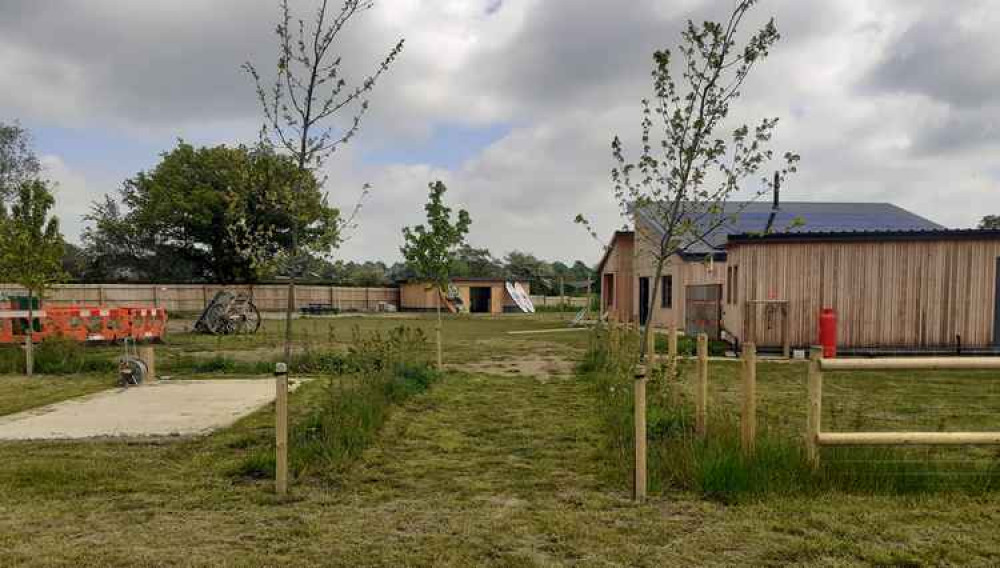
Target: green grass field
{"x":485,"y":468}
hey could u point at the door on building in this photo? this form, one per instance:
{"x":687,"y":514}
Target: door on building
{"x":479,"y":299}
{"x":703,"y":310}
{"x":643,"y":300}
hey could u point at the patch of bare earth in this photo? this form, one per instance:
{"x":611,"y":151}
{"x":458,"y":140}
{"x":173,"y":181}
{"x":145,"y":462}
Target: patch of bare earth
{"x":542,"y":367}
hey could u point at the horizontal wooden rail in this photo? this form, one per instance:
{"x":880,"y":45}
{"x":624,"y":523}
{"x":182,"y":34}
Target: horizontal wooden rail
{"x":906,"y":438}
{"x":913,"y":363}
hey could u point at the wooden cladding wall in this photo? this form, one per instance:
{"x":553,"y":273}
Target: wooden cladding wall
{"x":892,"y":293}
{"x":619,"y":264}
{"x":193,"y":297}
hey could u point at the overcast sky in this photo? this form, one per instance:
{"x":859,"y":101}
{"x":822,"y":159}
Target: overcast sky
{"x":513,"y":103}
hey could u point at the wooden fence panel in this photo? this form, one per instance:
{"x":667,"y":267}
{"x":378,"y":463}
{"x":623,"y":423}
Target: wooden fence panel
{"x":193,"y":297}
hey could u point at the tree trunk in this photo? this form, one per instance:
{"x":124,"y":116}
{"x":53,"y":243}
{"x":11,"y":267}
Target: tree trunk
{"x":644,"y":336}
{"x":289,"y":308}
{"x":29,"y":342}
{"x":438,"y":332}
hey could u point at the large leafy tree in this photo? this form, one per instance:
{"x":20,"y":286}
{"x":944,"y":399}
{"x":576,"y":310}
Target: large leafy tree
{"x":476,"y":262}
{"x":429,"y":249}
{"x":691,"y":159}
{"x":191,"y":216}
{"x":31,"y":246}
{"x":990,"y":222}
{"x":526,"y":267}
{"x":312,"y":109}
{"x":18,"y":163}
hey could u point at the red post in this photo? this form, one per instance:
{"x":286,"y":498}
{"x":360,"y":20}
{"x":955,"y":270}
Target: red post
{"x":828,"y":332}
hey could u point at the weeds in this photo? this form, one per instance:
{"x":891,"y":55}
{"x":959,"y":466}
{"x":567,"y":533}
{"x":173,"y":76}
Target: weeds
{"x":717,"y":468}
{"x":377,"y":372}
{"x":59,"y":356}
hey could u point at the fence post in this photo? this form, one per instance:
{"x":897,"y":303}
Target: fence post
{"x":639,"y":492}
{"x":701,"y":388}
{"x":748,"y":419}
{"x":815,"y":406}
{"x":281,"y":429}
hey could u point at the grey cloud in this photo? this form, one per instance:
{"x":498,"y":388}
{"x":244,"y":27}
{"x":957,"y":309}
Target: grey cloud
{"x":878,"y":111}
{"x":943,"y":56}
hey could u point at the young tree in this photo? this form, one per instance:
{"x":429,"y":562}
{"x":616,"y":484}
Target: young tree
{"x":687,"y":171}
{"x":308,"y":96}
{"x":31,"y":248}
{"x":430,"y":250}
{"x":18,"y":162}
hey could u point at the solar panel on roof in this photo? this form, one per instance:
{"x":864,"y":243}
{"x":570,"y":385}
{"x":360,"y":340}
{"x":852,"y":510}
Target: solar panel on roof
{"x":814,"y":217}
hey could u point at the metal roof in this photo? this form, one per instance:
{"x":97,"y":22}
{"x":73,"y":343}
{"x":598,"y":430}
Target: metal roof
{"x":800,"y":217}
{"x":896,"y":235}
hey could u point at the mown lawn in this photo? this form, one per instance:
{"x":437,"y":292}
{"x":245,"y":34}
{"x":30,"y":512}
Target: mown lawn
{"x":480,"y":470}
{"x":19,"y":393}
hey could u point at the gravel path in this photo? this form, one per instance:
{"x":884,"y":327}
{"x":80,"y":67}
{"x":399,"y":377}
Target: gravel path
{"x":167,"y":408}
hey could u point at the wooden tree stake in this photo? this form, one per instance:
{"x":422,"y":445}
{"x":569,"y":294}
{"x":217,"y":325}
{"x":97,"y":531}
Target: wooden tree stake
{"x":281,"y":430}
{"x":815,"y":379}
{"x":639,"y":492}
{"x":748,"y":418}
{"x":148,"y":356}
{"x":701,"y":388}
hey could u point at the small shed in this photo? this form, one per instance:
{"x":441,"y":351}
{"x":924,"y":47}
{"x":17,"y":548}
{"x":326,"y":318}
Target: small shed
{"x":472,"y":295}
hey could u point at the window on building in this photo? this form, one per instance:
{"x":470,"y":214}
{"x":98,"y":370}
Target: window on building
{"x":667,"y":292}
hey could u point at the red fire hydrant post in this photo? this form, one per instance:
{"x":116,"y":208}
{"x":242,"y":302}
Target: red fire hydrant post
{"x":828,"y":332}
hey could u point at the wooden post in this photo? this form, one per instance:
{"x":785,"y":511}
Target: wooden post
{"x":100,"y":295}
{"x":786,"y":335}
{"x":701,"y":388}
{"x":29,"y":352}
{"x":672,"y":350}
{"x":815,"y":406}
{"x":281,"y":429}
{"x":156,"y":297}
{"x":148,"y":356}
{"x":748,"y":418}
{"x":639,"y":489}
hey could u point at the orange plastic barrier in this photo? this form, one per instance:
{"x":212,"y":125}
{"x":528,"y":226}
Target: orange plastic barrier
{"x":84,"y":323}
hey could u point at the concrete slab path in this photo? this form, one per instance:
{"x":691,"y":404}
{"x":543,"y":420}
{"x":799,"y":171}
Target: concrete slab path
{"x":167,"y":408}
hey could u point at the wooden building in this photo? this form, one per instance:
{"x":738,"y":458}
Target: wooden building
{"x":471,"y":295}
{"x":692,"y":290}
{"x":617,"y":276}
{"x":933,"y":290}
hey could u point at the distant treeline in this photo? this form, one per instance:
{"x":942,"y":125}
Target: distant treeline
{"x":545,"y":278}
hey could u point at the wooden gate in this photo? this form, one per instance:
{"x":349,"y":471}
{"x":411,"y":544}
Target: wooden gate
{"x":703,"y":310}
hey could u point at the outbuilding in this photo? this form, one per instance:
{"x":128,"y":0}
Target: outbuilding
{"x":470,"y":295}
{"x":693,"y":293}
{"x":891,"y":291}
